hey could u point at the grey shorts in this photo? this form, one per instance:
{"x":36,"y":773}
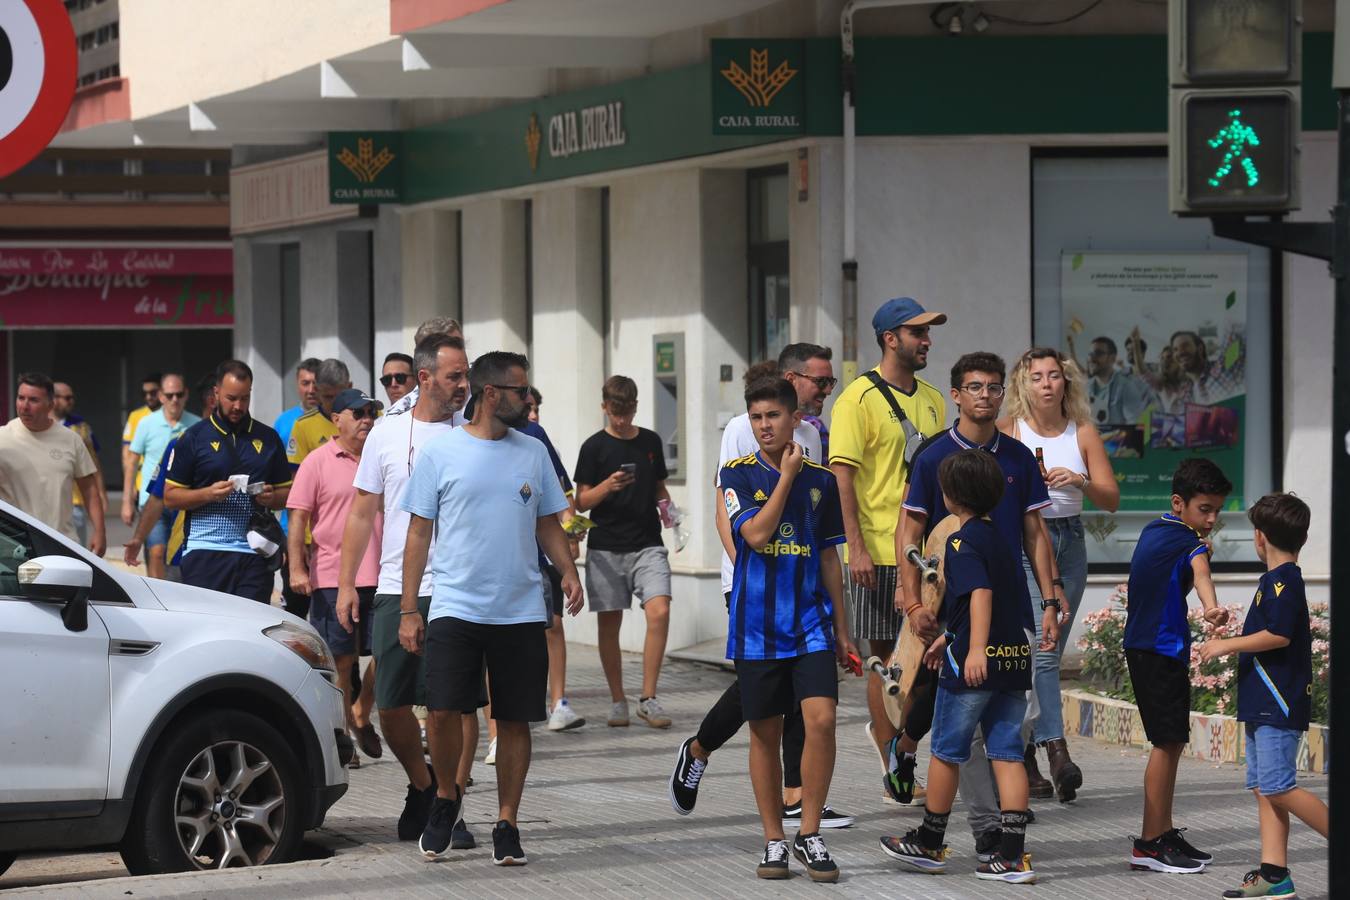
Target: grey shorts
{"x":612,"y":578}
{"x":873,"y":613}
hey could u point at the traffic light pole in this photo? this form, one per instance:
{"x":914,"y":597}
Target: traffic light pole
{"x":1329,"y":241}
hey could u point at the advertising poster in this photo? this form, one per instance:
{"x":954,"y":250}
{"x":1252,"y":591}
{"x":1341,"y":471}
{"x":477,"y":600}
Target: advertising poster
{"x":1162,"y":338}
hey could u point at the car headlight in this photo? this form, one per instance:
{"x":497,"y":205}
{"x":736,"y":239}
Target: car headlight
{"x":305,"y":644}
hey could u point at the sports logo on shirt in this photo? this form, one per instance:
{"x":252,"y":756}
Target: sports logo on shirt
{"x":956,"y":544}
{"x":815,"y":497}
{"x":257,"y":446}
{"x":1256,"y":601}
{"x":292,"y":446}
{"x":1279,"y":588}
{"x":525,"y":493}
{"x":786,"y":530}
{"x":215,"y":445}
{"x":760,"y":496}
{"x":732,"y":502}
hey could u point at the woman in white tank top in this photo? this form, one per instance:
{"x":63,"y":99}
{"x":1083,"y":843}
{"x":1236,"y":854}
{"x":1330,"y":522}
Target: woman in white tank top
{"x":1047,"y":409}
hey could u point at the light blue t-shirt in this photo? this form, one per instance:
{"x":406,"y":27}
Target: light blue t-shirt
{"x":283,"y":425}
{"x":152,"y":439}
{"x":486,"y":498}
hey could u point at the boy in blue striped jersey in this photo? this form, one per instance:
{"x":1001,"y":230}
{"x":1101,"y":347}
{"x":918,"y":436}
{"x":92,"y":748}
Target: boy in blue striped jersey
{"x":787,"y":625}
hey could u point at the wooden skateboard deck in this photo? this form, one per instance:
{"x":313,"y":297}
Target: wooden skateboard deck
{"x":909,"y":648}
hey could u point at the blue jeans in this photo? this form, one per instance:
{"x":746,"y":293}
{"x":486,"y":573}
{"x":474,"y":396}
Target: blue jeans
{"x":1070,"y":549}
{"x":1272,"y":758}
{"x":998,"y":715}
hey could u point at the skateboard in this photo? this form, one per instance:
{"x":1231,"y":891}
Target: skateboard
{"x":897,"y":674}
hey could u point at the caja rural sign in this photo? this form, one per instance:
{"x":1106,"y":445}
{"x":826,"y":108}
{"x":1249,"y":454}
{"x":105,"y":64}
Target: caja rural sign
{"x":37,"y":77}
{"x":758,"y":86}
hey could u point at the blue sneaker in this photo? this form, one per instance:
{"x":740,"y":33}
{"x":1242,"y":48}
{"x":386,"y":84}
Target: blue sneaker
{"x":1254,"y":885}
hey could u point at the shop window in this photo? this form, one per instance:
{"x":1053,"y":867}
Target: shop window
{"x":767,"y":256}
{"x":1175,"y":329}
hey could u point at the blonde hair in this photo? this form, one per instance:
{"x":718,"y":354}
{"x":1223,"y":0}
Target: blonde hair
{"x":1074,"y":406}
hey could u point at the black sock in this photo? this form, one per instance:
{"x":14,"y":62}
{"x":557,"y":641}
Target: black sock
{"x":1014,"y":835}
{"x":933,"y":829}
{"x":1273,"y":874}
{"x":645,"y":699}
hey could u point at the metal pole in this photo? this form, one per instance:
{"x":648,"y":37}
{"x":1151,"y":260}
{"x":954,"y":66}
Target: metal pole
{"x":1339,"y":796}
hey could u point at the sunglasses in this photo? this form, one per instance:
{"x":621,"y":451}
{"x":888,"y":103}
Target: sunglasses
{"x":394,"y":378}
{"x":521,"y":391}
{"x":362,"y":412}
{"x":174,"y":395}
{"x":822,"y":382}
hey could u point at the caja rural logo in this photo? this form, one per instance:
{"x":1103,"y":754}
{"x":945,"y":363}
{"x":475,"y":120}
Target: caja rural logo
{"x":759,"y":86}
{"x":365,"y":163}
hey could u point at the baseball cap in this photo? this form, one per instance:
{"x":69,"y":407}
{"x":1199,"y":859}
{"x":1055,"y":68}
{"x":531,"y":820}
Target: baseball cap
{"x":904,"y":311}
{"x":353,"y":398}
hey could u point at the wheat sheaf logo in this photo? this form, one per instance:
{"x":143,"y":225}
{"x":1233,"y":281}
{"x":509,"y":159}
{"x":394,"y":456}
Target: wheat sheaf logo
{"x":365,"y":163}
{"x":759,"y":86}
{"x":532,"y":137}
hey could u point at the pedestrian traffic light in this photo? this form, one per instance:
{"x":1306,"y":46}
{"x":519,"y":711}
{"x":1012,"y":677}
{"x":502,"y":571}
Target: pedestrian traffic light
{"x":1233,"y":144}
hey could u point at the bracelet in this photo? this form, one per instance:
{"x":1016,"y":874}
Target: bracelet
{"x":910,"y":611}
{"x":409,"y":612}
{"x":1086,"y":480}
{"x":1057,"y":582}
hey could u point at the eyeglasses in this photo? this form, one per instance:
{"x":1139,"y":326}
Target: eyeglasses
{"x":395,"y":378}
{"x":977,"y":388}
{"x":520,"y":390}
{"x":362,"y":412}
{"x":174,"y":395}
{"x":823,"y":382}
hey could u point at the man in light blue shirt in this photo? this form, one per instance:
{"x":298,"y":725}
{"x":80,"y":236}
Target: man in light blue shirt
{"x":486,"y":493}
{"x":152,"y":438}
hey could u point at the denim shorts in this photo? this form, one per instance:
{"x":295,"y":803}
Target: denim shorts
{"x":1272,"y":758}
{"x":163,"y":528}
{"x":998,"y":713}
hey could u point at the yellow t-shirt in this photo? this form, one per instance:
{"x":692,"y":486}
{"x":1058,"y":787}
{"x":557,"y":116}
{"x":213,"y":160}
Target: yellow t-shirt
{"x":38,"y":470}
{"x":133,"y":419}
{"x":865,"y":434}
{"x":311,"y":430}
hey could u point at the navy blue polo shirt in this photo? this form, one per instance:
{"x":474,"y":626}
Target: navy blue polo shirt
{"x":212,"y":451}
{"x":1275,"y":687}
{"x":978,"y":556}
{"x":1024,"y":490}
{"x":1160,"y":578}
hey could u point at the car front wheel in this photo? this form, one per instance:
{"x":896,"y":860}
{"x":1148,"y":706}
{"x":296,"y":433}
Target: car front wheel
{"x":223,"y":790}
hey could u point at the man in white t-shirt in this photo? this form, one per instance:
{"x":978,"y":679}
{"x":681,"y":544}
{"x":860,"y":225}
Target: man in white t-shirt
{"x":381,"y":478}
{"x":41,"y":462}
{"x":808,"y":368}
{"x":486,"y":494}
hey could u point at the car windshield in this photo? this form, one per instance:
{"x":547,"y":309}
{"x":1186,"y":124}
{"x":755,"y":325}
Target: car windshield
{"x":16,"y":547}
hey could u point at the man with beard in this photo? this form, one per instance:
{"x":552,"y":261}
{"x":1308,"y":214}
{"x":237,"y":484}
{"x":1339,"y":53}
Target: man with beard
{"x":807,"y":367}
{"x":1117,"y":397}
{"x":489,"y":492}
{"x":880,"y":420}
{"x":381,"y":477}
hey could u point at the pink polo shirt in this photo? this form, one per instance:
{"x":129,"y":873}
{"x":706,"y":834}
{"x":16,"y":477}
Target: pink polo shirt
{"x":323,"y":488}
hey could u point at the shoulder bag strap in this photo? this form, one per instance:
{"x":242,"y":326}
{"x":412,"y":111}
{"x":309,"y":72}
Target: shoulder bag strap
{"x":913,"y":437}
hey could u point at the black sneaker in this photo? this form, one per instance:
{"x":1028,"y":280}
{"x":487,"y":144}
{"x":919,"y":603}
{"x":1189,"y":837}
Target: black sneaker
{"x":775,"y":862}
{"x":1177,"y":842}
{"x":899,"y":778}
{"x":416,"y":808}
{"x":461,"y":838}
{"x":1159,"y":857}
{"x":829,"y":817}
{"x":987,"y":845}
{"x":685,"y":779}
{"x":1000,"y":869}
{"x":810,"y":851}
{"x":910,"y":851}
{"x":440,"y":825}
{"x":506,"y":845}
{"x":792,"y":816}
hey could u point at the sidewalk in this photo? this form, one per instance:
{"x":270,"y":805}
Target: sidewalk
{"x":596,"y":822}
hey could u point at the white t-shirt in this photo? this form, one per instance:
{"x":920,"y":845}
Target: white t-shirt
{"x":739,"y":440}
{"x":386,"y":463}
{"x":486,"y":498}
{"x":38,"y":471}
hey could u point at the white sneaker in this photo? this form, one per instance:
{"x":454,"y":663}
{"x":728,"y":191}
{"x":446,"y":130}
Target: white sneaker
{"x":650,"y":711}
{"x":563,"y":719}
{"x":491,"y":758}
{"x":618,"y":714}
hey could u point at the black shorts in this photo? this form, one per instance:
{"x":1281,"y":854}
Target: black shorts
{"x":553,"y":587}
{"x":516,"y":657}
{"x":774,"y":687}
{"x":245,"y":575}
{"x":1162,"y":691}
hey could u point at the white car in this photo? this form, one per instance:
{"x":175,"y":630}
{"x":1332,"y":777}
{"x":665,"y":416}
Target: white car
{"x":187,"y":728}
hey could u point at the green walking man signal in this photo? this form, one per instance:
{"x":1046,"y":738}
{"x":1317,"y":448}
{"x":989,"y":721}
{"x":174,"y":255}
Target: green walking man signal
{"x":1237,"y":136}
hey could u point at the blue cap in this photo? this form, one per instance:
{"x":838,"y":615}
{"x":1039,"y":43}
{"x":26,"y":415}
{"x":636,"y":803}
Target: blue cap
{"x":903,"y":311}
{"x":352,"y":398}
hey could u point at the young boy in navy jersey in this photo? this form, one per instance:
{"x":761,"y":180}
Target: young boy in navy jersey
{"x":787,"y":622}
{"x":1172,"y":556}
{"x":1275,"y":690}
{"x":984,"y":665}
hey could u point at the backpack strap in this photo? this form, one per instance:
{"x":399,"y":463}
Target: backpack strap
{"x":913,"y":437}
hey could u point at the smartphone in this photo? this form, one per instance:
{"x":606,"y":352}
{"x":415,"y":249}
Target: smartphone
{"x":629,"y":469}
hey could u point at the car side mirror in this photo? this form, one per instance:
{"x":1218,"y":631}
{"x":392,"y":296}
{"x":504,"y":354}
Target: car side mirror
{"x":59,"y":579}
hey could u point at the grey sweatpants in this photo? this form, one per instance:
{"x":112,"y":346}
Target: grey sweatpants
{"x":977,"y":788}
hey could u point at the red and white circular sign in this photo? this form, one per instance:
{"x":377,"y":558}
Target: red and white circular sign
{"x":37,"y":77}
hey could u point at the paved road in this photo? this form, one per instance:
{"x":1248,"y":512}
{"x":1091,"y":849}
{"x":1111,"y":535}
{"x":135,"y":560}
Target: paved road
{"x":596,"y":822}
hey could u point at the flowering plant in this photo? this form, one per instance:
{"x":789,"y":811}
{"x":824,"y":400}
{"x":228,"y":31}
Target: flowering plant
{"x":1213,"y":683}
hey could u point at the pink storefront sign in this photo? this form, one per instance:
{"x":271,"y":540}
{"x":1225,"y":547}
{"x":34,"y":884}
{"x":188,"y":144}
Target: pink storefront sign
{"x":150,"y":260}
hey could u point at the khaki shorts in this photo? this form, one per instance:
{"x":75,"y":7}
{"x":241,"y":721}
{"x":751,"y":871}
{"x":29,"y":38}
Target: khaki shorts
{"x":612,"y":578}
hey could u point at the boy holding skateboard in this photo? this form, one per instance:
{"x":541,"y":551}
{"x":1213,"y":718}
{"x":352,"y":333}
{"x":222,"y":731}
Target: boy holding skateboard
{"x":984,"y":660}
{"x":787,"y":622}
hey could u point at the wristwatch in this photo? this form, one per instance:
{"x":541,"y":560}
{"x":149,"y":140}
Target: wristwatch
{"x":1046,"y":604}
